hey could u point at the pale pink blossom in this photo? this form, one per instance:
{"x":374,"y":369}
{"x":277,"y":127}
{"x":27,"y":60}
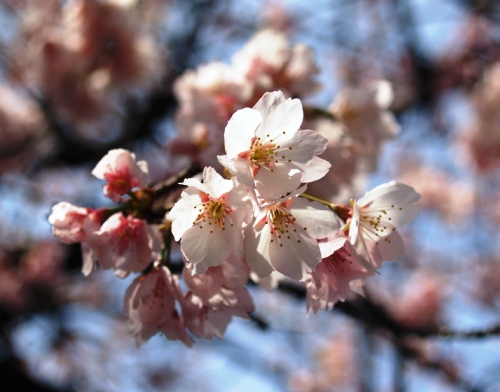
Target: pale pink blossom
{"x":211,"y":318}
{"x":270,"y":63}
{"x":67,"y":222}
{"x":364,"y":111}
{"x":72,"y":224}
{"x":331,"y":281}
{"x":230,"y":274}
{"x":126,"y":244}
{"x":208,"y":220}
{"x":122,"y":173}
{"x":150,"y":304}
{"x":375,"y":218}
{"x":284,"y":236}
{"x":266,"y":150}
{"x":215,"y":297}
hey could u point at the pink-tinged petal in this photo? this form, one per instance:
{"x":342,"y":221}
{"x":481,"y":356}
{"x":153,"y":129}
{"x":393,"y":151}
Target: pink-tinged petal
{"x":235,"y":272}
{"x":205,"y":246}
{"x":296,"y":256}
{"x":124,"y":244}
{"x":320,"y":221}
{"x":368,"y":254}
{"x":256,"y":244}
{"x":240,"y":131}
{"x":122,"y":173}
{"x":88,"y":258}
{"x":277,"y":183}
{"x":281,"y":118}
{"x":184,"y":213}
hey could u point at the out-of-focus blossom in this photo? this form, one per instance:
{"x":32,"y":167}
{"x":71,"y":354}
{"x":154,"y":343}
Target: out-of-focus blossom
{"x":215,"y":297}
{"x":420,"y":303}
{"x":331,"y":280}
{"x":266,"y":150}
{"x":209,"y":218}
{"x":454,"y":200}
{"x":43,"y":262}
{"x":480,"y":139}
{"x":269,"y":62}
{"x":349,"y":168}
{"x":336,"y":366}
{"x":150,"y":304}
{"x":208,"y":97}
{"x":209,"y":319}
{"x":122,"y":173}
{"x":67,"y":222}
{"x":100,"y":53}
{"x":126,"y":244}
{"x":375,"y":218}
{"x":284,"y":236}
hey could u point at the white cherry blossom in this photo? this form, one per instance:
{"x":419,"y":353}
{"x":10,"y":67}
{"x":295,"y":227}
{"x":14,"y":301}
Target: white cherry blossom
{"x":208,"y":220}
{"x":284,"y":236}
{"x":266,"y":150}
{"x":375,"y":218}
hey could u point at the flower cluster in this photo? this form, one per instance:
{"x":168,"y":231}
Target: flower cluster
{"x":259,"y":223}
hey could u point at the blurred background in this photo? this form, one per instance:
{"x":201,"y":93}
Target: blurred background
{"x":404,"y":89}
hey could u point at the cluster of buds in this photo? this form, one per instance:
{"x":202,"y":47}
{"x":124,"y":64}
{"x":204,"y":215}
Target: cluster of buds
{"x":257,"y":223}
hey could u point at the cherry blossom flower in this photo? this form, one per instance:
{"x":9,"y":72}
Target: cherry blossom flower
{"x":266,"y":150}
{"x":208,"y":219}
{"x":284,"y":236}
{"x":68,"y":220}
{"x":331,"y":281}
{"x":150,"y":304}
{"x":375,"y":218}
{"x":72,"y":224}
{"x":230,"y":274}
{"x":211,"y":318}
{"x":122,"y":173}
{"x":215,"y":297}
{"x":126,"y":244}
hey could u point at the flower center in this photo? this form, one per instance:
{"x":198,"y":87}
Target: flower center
{"x":262,"y":154}
{"x":213,"y":212}
{"x":282,"y":224}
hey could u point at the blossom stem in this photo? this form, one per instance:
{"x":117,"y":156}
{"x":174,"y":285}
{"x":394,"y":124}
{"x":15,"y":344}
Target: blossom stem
{"x":327,"y":203}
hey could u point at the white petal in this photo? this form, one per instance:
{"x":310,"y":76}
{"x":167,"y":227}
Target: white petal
{"x":216,"y":184}
{"x":331,"y":244}
{"x":314,"y":169}
{"x":292,"y":258}
{"x":280,"y":118}
{"x":277,"y":183}
{"x":256,"y":244}
{"x":389,"y":193}
{"x":305,"y":144}
{"x":391,"y":246}
{"x":184,"y":212}
{"x":200,"y":246}
{"x":240,"y":130}
{"x":321,"y":222}
{"x":235,"y":232}
{"x":354,"y":224}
